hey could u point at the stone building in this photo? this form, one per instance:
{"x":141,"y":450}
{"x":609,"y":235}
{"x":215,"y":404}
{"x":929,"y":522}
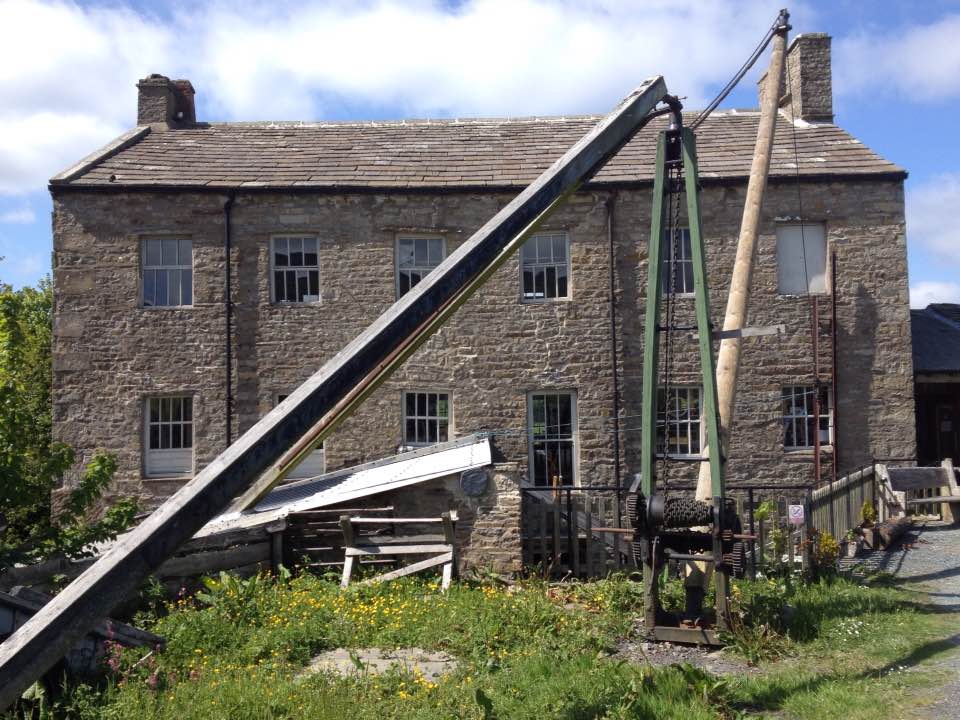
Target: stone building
{"x":166,"y":347}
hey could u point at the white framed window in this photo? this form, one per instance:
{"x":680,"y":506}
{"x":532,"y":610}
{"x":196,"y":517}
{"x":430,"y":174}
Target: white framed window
{"x":166,"y":272}
{"x":168,"y":431}
{"x":416,"y":257}
{"x":426,"y":418}
{"x":680,"y":280}
{"x":545,"y":267}
{"x":312,"y":465}
{"x":678,"y":421}
{"x":800,"y":422}
{"x":295,"y":264}
{"x":552,"y":428}
{"x":801,"y":259}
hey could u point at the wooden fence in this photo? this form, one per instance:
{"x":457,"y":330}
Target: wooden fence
{"x":837,"y":506}
{"x":573,"y":532}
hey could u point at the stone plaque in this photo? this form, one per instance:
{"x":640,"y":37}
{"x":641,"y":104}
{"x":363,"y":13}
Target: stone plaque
{"x":474,"y":482}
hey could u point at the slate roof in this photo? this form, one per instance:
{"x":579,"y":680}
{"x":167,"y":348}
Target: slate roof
{"x":936,"y":339}
{"x":455,"y":154}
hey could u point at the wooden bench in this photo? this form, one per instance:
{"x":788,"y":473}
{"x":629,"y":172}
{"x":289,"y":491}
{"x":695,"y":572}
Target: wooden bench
{"x":441,"y":548}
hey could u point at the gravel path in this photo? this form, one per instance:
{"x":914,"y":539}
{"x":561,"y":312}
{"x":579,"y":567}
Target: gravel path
{"x":929,"y":560}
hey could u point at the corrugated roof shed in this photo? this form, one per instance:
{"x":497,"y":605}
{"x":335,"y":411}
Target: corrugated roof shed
{"x":447,"y":154}
{"x":936,"y":339}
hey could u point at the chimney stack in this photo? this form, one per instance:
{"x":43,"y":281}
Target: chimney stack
{"x":807,"y":93}
{"x":165,"y":101}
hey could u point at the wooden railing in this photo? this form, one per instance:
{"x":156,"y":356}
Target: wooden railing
{"x":837,"y":506}
{"x":575,"y":532}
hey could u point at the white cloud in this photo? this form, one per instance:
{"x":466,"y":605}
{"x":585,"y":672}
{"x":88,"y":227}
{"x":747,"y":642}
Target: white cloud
{"x":68,"y":71}
{"x":931,"y":291}
{"x":18,"y":216}
{"x":921,"y":62}
{"x":930,"y":207}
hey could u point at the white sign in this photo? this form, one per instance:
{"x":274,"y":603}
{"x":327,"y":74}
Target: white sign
{"x":796,"y":514}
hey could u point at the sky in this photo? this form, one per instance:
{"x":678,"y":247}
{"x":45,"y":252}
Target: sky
{"x":68,"y":73}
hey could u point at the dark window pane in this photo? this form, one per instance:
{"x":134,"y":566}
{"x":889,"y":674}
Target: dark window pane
{"x":149,"y":288}
{"x":296,"y":252}
{"x":411,"y":432}
{"x":176,"y":409}
{"x":290,"y":284}
{"x":566,"y":463}
{"x":281,"y":257}
{"x":443,"y":430}
{"x":561,"y":281}
{"x":278,"y":290}
{"x":410,"y":400}
{"x":154,"y":410}
{"x":431,"y":431}
{"x":539,"y":283}
{"x":303,"y":287}
{"x":165,"y":409}
{"x":415,"y":277}
{"x":528,"y":282}
{"x":186,"y":287}
{"x":405,"y":253}
{"x":310,"y":251}
{"x":169,"y":251}
{"x":153,"y":254}
{"x":551,"y":287}
{"x":404,"y":283}
{"x":421,"y":252}
{"x":188,"y":408}
{"x":421,"y":404}
{"x":173,"y":287}
{"x":687,"y":278}
{"x":161,"y":288}
{"x":788,"y":438}
{"x":164,"y":437}
{"x":432,"y":404}
{"x":421,"y":430}
{"x":315,"y":283}
{"x":188,"y":436}
{"x":443,"y":406}
{"x":185,"y":254}
{"x":544,"y":245}
{"x":436,"y":252}
{"x":176,"y":437}
{"x":154,"y":437}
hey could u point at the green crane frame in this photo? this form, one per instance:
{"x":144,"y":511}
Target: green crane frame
{"x":673,"y":146}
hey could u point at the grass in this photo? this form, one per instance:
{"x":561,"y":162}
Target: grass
{"x":528,"y":651}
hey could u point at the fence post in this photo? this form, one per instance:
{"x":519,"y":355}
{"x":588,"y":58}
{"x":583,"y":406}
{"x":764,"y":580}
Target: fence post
{"x":806,"y":536}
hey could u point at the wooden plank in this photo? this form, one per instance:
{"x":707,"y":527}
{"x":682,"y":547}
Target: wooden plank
{"x":357,"y":550}
{"x":410,"y":569}
{"x":346,"y":527}
{"x":202,"y":563}
{"x":397,"y":521}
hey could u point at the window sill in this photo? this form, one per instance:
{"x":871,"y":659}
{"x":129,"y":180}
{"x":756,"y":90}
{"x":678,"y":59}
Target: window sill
{"x":545,"y":301}
{"x":807,"y":452}
{"x":165,"y":478}
{"x":801,"y":296}
{"x":312,"y":303}
{"x":161,"y":308}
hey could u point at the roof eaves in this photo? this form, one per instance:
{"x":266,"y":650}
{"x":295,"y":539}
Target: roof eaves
{"x":110,"y":149}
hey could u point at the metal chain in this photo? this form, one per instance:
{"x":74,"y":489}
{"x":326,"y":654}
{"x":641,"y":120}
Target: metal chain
{"x":673,"y":269}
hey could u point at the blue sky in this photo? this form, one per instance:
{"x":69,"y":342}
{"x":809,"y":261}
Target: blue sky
{"x":68,"y":72}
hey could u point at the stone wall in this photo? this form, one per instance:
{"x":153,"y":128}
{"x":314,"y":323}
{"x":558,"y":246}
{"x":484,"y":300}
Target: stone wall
{"x":110,"y":354}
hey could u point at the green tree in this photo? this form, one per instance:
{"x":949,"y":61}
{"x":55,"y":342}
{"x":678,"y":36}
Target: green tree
{"x":31,"y":462}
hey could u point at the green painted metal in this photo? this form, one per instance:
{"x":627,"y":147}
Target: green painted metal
{"x":710,"y":409}
{"x":651,"y":335}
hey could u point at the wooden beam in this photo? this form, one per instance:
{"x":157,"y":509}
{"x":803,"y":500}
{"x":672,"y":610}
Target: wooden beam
{"x":316,"y":407}
{"x":410,"y":569}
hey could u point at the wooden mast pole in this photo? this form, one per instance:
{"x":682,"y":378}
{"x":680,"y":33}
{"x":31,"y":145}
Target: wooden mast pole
{"x":728,"y":358}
